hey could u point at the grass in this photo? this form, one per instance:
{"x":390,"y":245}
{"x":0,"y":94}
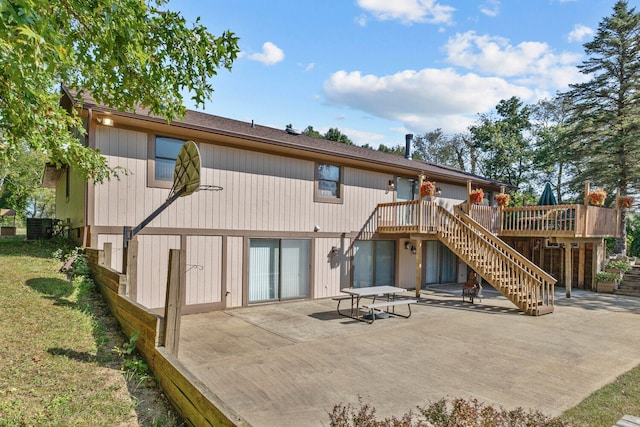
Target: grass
{"x":57,"y":360}
{"x":603,"y":407}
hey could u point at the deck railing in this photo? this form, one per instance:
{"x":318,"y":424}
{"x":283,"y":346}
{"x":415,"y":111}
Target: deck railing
{"x":550,"y":221}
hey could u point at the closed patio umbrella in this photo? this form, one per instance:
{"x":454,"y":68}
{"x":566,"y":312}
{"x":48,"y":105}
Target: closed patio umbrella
{"x":547,"y":198}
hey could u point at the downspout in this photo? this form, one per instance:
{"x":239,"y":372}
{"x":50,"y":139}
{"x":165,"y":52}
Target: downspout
{"x":86,"y":187}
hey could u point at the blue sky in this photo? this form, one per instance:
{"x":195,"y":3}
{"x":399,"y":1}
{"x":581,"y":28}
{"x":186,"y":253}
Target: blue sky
{"x":379,"y":69}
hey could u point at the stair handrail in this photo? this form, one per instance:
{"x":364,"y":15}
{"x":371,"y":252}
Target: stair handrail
{"x":526,"y":263}
{"x":527,"y":301}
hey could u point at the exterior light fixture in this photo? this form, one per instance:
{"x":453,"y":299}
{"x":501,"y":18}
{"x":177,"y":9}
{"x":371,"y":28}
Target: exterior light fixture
{"x":107,"y":121}
{"x":391,"y":185}
{"x":407,"y":245}
{"x":438,"y":191}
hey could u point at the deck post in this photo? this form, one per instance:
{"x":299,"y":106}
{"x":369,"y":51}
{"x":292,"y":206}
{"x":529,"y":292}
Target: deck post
{"x":131,"y":253}
{"x":468,"y":197}
{"x":418,"y":267}
{"x":420,"y":181}
{"x":105,"y":255}
{"x":581,"y":264}
{"x":175,"y":298}
{"x":587,"y":190}
{"x":568,"y":269}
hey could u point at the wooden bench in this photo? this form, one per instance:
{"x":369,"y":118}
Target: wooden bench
{"x":386,"y":304}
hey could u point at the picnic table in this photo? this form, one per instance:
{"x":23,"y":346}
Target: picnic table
{"x":389,"y":301}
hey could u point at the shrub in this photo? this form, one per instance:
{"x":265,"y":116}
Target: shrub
{"x":619,"y":264}
{"x":458,"y":412}
{"x":606,"y":276}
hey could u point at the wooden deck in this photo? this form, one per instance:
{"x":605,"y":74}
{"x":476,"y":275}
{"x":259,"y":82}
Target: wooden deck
{"x":565,"y":221}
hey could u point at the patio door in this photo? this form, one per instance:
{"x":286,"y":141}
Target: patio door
{"x":279,"y":269}
{"x":440,"y":263}
{"x":374,"y":263}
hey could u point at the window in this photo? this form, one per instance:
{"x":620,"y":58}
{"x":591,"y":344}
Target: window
{"x":163,"y":152}
{"x":279,"y":269}
{"x":374,"y":263}
{"x":440,"y":263}
{"x":328,"y":183}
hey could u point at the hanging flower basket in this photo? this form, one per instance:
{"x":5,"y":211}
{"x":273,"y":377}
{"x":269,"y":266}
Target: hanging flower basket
{"x":427,"y":189}
{"x":502,"y":199}
{"x":596,"y":197}
{"x":477,"y":196}
{"x":625,"y":202}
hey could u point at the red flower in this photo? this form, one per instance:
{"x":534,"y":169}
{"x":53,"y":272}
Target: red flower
{"x":477,"y":196}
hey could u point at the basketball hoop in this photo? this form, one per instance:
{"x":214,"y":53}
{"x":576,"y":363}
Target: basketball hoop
{"x":186,"y":178}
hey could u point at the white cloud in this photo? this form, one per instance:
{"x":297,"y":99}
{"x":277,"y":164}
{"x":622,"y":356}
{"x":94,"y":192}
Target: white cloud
{"x":408,"y":11}
{"x":361,"y":20}
{"x":527,"y":62}
{"x":580,"y":33}
{"x":490,"y":8}
{"x":422,"y":100}
{"x":271,"y":54}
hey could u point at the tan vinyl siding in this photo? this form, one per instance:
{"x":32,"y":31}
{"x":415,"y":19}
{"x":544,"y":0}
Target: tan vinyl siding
{"x":124,"y":201}
{"x":153,"y":254}
{"x":261,"y":191}
{"x":204,"y":269}
{"x":234,"y":268}
{"x":330,"y":270}
{"x":116,"y":248}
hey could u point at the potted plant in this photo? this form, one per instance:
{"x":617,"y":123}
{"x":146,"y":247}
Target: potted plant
{"x":427,"y":189}
{"x":597,"y":196}
{"x":618,"y":266}
{"x":625,"y":202}
{"x":606,"y":281}
{"x":477,"y":196}
{"x":502,"y":199}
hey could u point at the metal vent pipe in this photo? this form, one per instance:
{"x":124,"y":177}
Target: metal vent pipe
{"x":407,"y":149}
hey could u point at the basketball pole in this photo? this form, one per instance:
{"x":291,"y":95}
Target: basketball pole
{"x":129,"y":233}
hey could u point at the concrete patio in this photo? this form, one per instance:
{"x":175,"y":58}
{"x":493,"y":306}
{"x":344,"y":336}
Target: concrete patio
{"x":288,"y":364}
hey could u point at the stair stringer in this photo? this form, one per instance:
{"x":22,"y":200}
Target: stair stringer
{"x":514,"y":276}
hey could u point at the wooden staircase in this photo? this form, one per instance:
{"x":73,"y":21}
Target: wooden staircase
{"x":530,"y":288}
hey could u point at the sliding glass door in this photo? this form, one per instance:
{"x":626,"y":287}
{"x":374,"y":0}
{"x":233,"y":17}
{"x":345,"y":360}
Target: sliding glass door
{"x":374,"y":263}
{"x":440,"y":263}
{"x":279,"y":269}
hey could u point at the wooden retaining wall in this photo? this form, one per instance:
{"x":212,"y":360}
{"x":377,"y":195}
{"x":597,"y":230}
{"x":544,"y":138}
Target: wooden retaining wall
{"x":197,"y":405}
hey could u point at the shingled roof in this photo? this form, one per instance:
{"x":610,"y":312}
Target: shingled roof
{"x":280,"y":137}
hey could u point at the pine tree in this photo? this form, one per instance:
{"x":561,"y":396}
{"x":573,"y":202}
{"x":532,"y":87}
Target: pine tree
{"x":605,"y":110}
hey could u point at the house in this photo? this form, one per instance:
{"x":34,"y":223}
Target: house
{"x":297,"y":217}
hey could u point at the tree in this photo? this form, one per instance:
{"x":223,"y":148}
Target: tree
{"x":126,"y":53}
{"x":605,"y":110}
{"x":310,"y":131}
{"x":503,"y":143}
{"x":333,"y":134}
{"x":398,"y":150}
{"x":455,"y":151}
{"x":20,"y":185}
{"x":553,"y":160}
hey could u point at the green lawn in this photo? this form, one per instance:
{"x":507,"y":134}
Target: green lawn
{"x":59,"y":364}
